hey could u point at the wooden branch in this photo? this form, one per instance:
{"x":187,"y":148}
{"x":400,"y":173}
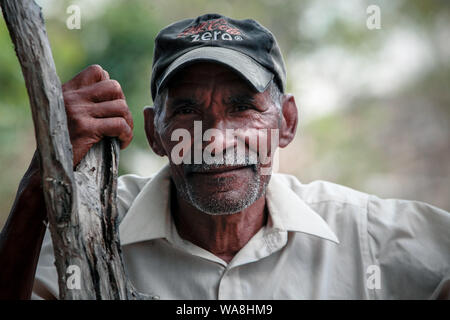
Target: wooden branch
{"x":97,"y":215}
{"x":81,"y":205}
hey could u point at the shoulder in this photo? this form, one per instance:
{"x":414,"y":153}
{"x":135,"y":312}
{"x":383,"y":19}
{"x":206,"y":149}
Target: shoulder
{"x":382,"y":211}
{"x":409,"y":240}
{"x":384,"y":216}
{"x":413,"y":226}
{"x":398,"y":219}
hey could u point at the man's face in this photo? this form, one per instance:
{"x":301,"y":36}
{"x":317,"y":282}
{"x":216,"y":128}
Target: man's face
{"x":221,"y":100}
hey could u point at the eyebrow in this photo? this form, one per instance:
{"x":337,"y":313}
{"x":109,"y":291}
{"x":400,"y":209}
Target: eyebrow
{"x":239,"y":99}
{"x":182,"y":102}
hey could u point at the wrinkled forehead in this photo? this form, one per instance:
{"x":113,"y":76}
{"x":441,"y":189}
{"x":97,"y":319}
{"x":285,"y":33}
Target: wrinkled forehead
{"x":205,"y":75}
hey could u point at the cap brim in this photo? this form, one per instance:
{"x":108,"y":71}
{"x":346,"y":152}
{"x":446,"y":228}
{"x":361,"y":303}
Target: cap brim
{"x":255,"y":74}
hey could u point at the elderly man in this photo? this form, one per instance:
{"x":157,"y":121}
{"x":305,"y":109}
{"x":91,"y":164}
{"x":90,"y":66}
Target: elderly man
{"x":228,"y":229}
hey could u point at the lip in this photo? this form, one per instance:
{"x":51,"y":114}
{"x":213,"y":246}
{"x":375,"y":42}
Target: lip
{"x":223,"y":169}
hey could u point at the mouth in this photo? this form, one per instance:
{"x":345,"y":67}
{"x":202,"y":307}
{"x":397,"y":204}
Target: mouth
{"x":215,"y":170}
{"x":215,"y":179}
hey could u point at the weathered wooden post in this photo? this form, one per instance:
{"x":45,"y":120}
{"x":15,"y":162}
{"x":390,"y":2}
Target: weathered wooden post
{"x":81,"y":204}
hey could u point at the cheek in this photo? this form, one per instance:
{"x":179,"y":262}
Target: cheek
{"x":269,"y":119}
{"x":267,"y":146}
{"x":176,"y":142}
{"x":261,"y":136}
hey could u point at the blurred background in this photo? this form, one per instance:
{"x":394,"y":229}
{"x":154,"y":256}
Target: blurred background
{"x":374,"y":105}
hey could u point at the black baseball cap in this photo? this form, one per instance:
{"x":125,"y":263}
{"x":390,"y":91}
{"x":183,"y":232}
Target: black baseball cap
{"x":243,"y":45}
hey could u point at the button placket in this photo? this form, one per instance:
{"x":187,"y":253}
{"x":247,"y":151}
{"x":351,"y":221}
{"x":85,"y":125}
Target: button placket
{"x":229,"y":286}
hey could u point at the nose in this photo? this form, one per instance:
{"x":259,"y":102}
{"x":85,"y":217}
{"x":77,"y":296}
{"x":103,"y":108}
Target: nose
{"x":218,"y":137}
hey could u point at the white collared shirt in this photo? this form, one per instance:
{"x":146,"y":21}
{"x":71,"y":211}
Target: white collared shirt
{"x":321,"y":241}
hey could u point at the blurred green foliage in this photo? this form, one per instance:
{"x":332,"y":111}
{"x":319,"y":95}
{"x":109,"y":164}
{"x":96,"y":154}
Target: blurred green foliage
{"x":368,"y":142}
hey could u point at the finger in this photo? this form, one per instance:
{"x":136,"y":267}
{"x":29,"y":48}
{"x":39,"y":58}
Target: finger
{"x":115,"y":127}
{"x":106,"y":74}
{"x":92,"y":74}
{"x":110,"y":109}
{"x":105,"y":90}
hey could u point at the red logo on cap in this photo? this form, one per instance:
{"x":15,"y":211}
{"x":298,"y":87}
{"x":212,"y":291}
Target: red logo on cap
{"x":210,"y":25}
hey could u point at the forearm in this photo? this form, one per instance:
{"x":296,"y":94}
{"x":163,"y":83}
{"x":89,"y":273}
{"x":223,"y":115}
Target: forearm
{"x":21,"y":238}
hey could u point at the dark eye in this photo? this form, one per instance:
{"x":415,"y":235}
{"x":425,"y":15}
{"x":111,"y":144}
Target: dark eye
{"x":184,"y":110}
{"x":241,"y":108}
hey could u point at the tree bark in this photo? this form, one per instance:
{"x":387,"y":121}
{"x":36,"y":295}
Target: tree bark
{"x":81,"y":204}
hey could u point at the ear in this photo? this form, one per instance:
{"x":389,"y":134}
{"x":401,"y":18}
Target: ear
{"x":289,"y":120}
{"x":153,"y":137}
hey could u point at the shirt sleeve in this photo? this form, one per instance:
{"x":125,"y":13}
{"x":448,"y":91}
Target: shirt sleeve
{"x":46,"y":278}
{"x":410,"y":243}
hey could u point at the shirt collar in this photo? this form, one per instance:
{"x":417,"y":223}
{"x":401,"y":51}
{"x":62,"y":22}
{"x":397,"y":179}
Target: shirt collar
{"x":149,"y":215}
{"x":288,"y":212}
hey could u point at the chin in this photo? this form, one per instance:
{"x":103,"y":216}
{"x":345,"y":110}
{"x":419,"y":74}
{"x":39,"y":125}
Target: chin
{"x":225,"y":203}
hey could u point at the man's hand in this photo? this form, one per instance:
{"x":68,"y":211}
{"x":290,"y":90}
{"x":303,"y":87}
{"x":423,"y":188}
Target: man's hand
{"x":95,"y":107}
